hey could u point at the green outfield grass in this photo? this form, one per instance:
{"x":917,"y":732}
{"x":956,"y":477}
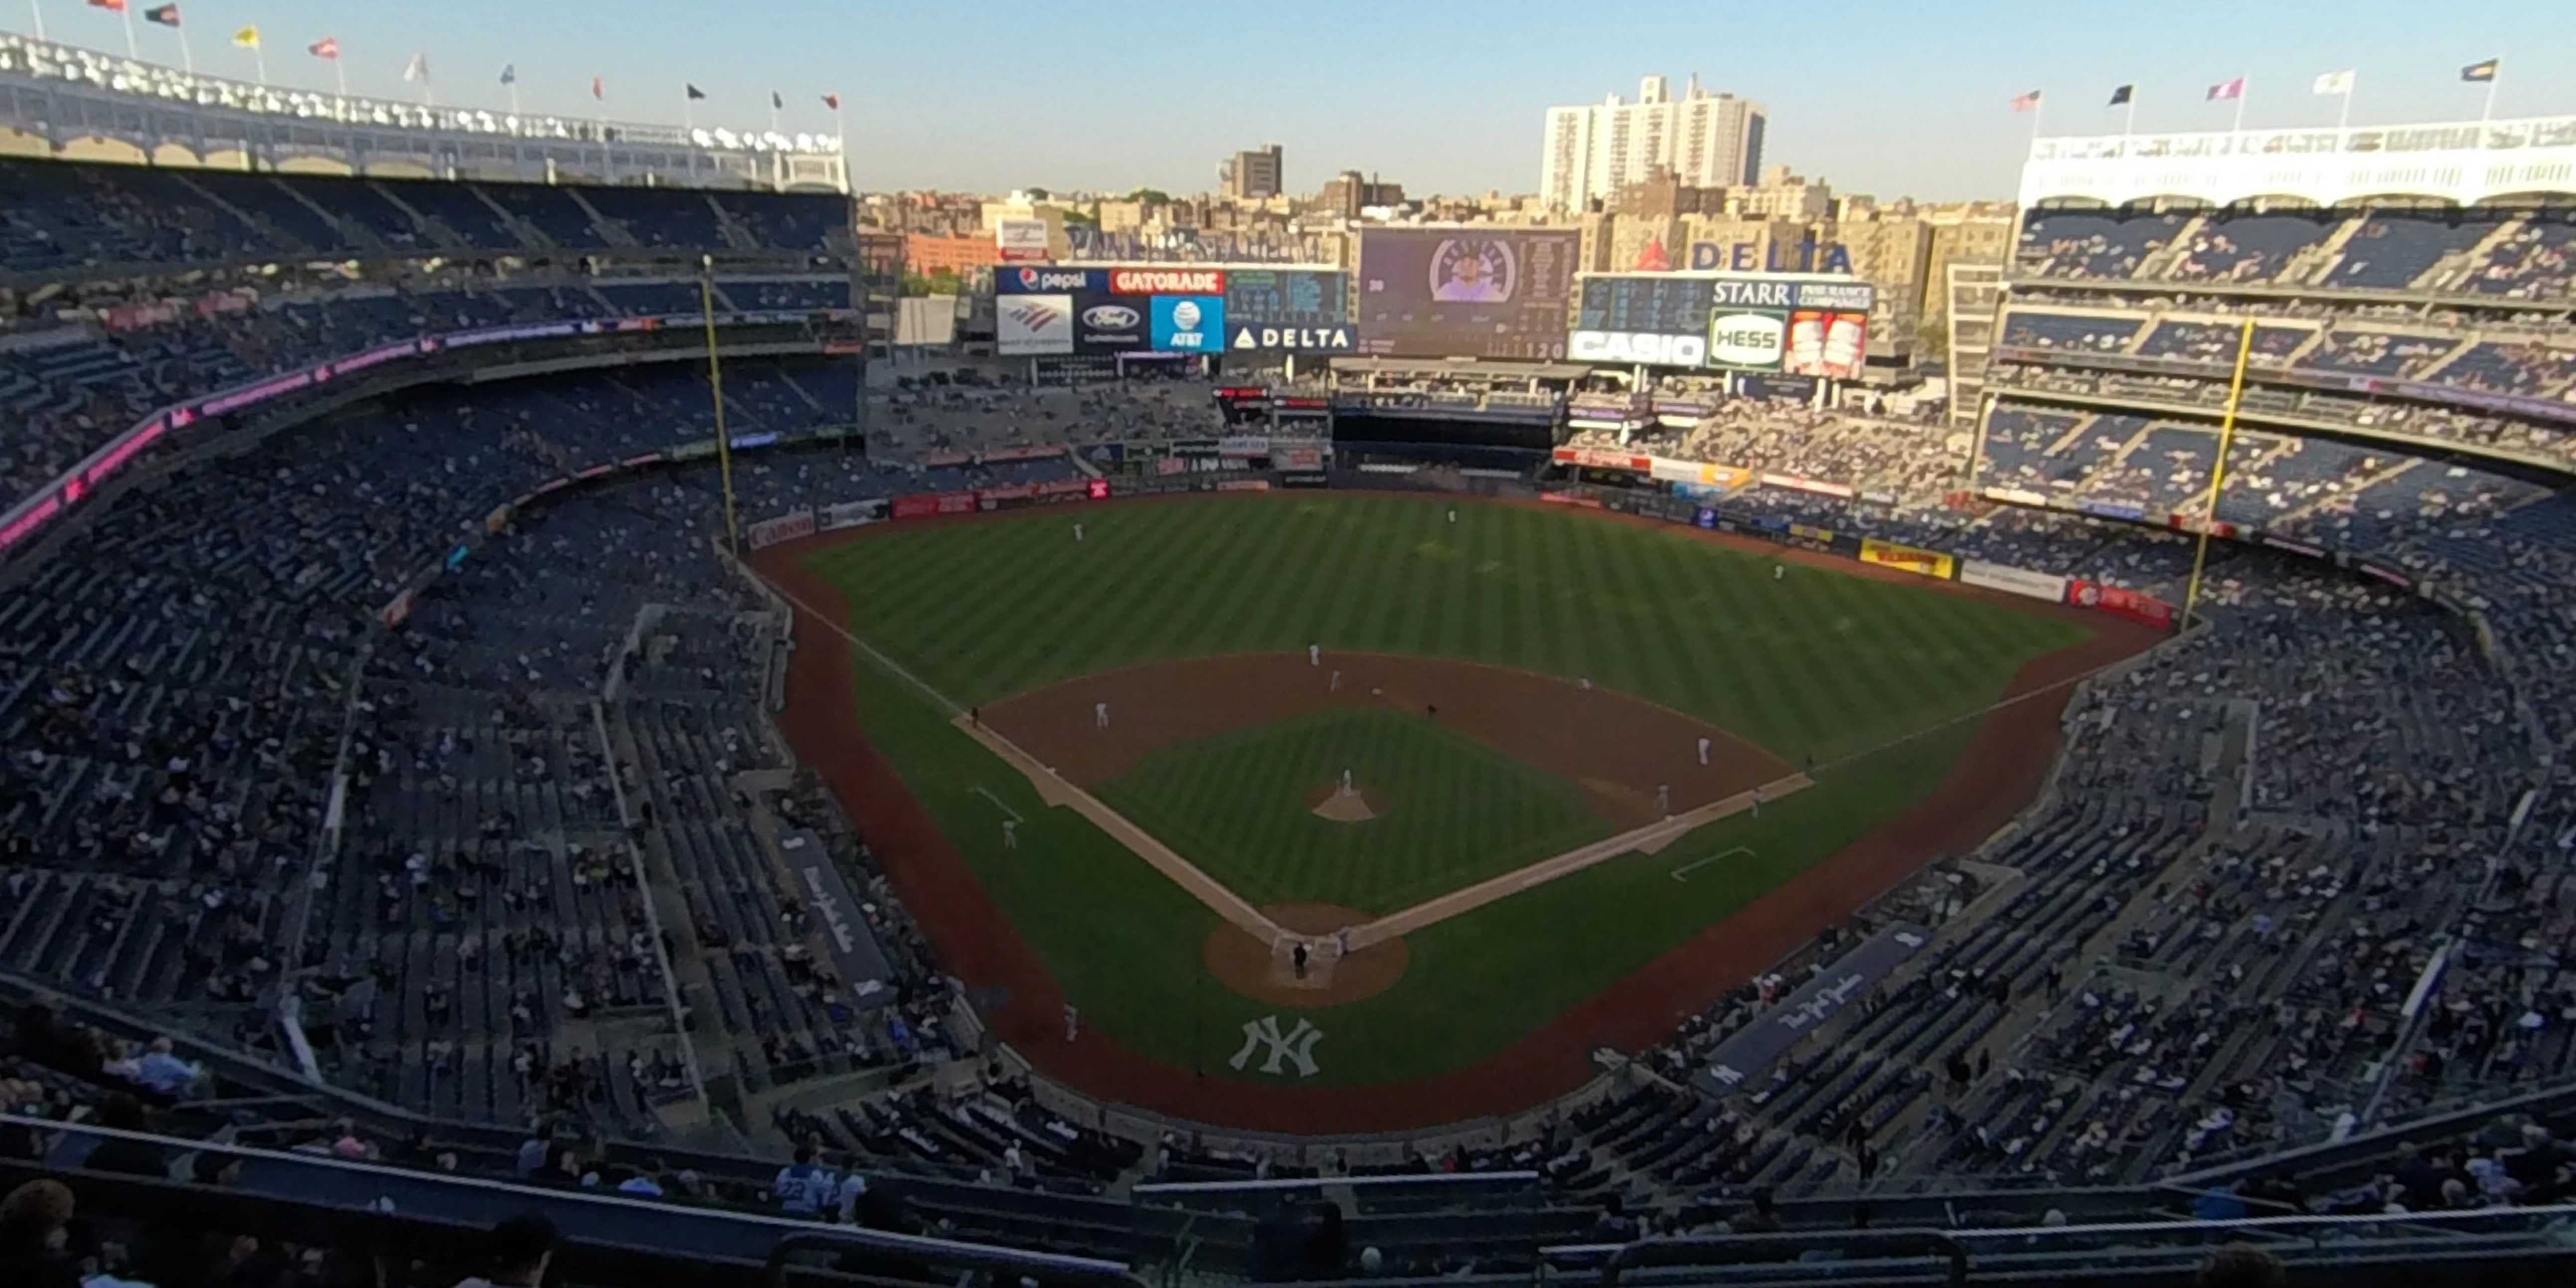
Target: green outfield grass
{"x":1458,"y":811}
{"x":1873,"y":680}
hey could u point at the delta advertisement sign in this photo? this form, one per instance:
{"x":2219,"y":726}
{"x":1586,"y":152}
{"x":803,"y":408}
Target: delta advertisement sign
{"x":1807,"y":255}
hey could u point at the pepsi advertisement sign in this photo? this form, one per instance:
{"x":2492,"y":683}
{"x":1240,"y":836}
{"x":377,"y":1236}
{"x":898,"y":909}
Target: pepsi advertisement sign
{"x":1188,"y":323}
{"x":1038,"y":280}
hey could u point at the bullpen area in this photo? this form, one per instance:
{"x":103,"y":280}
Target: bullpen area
{"x":1352,"y":812}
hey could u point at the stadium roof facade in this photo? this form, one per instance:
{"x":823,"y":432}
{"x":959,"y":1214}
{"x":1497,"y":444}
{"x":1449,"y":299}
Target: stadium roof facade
{"x":2462,"y":162}
{"x":65,"y":95}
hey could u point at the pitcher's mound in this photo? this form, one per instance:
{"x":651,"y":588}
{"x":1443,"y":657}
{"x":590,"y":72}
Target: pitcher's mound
{"x":1358,"y":805}
{"x":1268,"y":972}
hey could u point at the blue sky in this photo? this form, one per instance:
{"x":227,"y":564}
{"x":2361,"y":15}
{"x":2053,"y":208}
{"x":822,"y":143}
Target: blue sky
{"x":1441,"y":95}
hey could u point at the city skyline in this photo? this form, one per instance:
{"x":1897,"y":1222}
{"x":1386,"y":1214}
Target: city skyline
{"x":1889,"y":100}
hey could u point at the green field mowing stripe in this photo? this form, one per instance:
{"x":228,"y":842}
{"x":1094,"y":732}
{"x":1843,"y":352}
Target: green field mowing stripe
{"x":1457,"y":811}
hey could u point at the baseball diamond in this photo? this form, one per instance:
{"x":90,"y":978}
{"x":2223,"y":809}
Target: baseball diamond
{"x":1518,"y":701}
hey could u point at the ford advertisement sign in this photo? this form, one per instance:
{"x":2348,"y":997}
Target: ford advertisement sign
{"x":1747,"y":341}
{"x":1111,"y":328}
{"x":1188,"y":323}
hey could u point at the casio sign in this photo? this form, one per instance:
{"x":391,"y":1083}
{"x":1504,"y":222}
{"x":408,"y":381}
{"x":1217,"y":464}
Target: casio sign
{"x":1746,"y":340}
{"x":1039,"y":279}
{"x":1630,"y":346}
{"x":1110,"y":317}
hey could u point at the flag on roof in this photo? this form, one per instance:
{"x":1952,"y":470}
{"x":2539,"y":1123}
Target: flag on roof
{"x":2335,"y":83}
{"x":247,"y":38}
{"x":2026,"y":102}
{"x":832,"y":101}
{"x":2226,"y":89}
{"x":326,"y":47}
{"x":2485,"y":71}
{"x":112,"y":6}
{"x":417,"y":69}
{"x":694,"y":92}
{"x":509,"y":73}
{"x":2121,"y":95}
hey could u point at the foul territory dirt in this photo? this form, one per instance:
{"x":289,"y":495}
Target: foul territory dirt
{"x":2001,"y":770}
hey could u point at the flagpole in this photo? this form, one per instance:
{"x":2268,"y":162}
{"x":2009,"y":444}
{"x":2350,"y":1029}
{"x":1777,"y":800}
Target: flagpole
{"x":2129,"y":126}
{"x":2343,"y":119}
{"x":259,"y":56}
{"x":187,"y":56}
{"x":2487,"y":113}
{"x":2239,"y":126}
{"x":2035,"y":110}
{"x":340,"y":74}
{"x":38,"y":6}
{"x":128,"y":14}
{"x":514,"y":98}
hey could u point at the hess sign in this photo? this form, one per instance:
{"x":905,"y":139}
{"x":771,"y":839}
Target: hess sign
{"x":1746,"y":340}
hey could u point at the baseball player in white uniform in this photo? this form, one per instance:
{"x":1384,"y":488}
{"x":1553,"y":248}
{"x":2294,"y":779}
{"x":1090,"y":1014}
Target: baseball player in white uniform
{"x":1100,"y":714}
{"x":1664,"y":799}
{"x":1314,"y":655}
{"x":1010,"y":834}
{"x":1077,"y":533}
{"x":1703,"y":751}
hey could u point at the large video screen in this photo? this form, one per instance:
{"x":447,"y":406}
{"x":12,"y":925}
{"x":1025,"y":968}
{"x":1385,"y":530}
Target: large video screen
{"x":1466,"y":292}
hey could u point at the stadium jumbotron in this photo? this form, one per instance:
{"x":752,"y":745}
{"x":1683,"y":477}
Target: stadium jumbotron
{"x":576,"y":692}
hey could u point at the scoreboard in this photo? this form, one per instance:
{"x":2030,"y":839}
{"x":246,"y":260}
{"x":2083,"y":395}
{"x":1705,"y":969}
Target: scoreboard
{"x":1646,"y":305}
{"x":1286,"y":297}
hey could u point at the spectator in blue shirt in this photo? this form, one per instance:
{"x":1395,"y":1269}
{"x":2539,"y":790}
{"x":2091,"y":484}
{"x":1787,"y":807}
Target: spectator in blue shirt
{"x":802,"y":1187}
{"x":161,"y":1071}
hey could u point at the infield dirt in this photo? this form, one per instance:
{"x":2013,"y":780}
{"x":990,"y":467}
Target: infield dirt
{"x":1618,"y":749}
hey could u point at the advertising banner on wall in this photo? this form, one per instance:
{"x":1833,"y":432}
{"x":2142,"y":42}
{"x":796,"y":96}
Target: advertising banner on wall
{"x":1015,"y":240}
{"x":1826,"y":344}
{"x":1033,"y":326}
{"x":1748,"y":339}
{"x":2115,"y":600}
{"x":1050,"y":280}
{"x":1466,"y":292}
{"x":1107,"y":325}
{"x":1245,"y":337}
{"x":1187,"y":323}
{"x":1920,"y":562}
{"x":852,"y":514}
{"x":1646,"y":347}
{"x":786,"y":527}
{"x":2013,"y":581}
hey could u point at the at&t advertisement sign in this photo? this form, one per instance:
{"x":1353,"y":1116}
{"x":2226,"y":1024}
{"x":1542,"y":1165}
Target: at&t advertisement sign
{"x":1188,"y":323}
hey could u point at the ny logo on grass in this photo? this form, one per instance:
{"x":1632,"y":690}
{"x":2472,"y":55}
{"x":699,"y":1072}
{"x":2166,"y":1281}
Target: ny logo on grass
{"x":1296,"y":1046}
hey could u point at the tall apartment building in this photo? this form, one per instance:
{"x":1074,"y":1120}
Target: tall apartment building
{"x":1706,"y":139}
{"x":1254,"y":175}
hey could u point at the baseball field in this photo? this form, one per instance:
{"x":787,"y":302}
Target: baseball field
{"x":1341,"y":812}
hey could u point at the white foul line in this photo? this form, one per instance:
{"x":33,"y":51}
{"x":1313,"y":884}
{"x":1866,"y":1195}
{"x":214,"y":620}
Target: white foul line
{"x":999,"y":805}
{"x":1703,"y":861}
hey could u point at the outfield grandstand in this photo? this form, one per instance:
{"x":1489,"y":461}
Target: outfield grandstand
{"x":394,"y":806}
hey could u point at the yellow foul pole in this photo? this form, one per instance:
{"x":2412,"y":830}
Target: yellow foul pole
{"x":715,"y":390}
{"x":2218,"y":468}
